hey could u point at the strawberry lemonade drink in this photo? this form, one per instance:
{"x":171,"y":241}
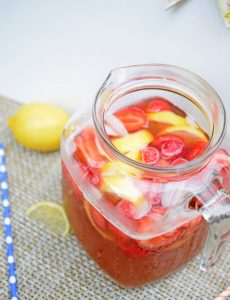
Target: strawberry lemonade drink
{"x":146,"y":175}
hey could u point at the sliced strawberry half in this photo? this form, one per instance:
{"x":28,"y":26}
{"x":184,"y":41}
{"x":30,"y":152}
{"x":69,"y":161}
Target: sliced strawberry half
{"x":197,"y":149}
{"x":133,"y":118}
{"x":87,"y":151}
{"x":159,"y":210}
{"x":158,"y":104}
{"x":171,"y":147}
{"x":92,"y":174}
{"x":132,"y":249}
{"x":126,"y":208}
{"x":179,"y":161}
{"x":150,"y":155}
{"x":144,"y":224}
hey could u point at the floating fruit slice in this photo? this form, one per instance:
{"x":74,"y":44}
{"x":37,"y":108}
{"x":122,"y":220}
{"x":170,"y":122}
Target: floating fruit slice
{"x":159,"y":210}
{"x":116,"y":165}
{"x":133,"y":118}
{"x":51,"y":215}
{"x":87,"y":151}
{"x":125,"y":208}
{"x":123,"y":187}
{"x":197,"y":149}
{"x":150,"y":155}
{"x":162,"y":163}
{"x":167,"y":117}
{"x":92,"y":174}
{"x":158,"y":104}
{"x":144,"y":224}
{"x":179,"y":161}
{"x":188,"y":129}
{"x":172,"y":148}
{"x":98,"y":221}
{"x":133,"y":142}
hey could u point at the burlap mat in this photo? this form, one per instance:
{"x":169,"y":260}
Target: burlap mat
{"x":50,"y":268}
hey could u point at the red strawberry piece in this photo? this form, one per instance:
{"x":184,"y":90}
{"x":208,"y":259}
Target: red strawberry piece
{"x":158,"y":141}
{"x":99,"y":220}
{"x":87,"y":151}
{"x":133,"y":249}
{"x":133,"y":118}
{"x":197,"y":149}
{"x":144,"y":224}
{"x":92,"y":174}
{"x":172,"y":147}
{"x":162,"y":163}
{"x":158,"y":104}
{"x":178,"y":161}
{"x":150,"y":155}
{"x":125,"y":208}
{"x":155,"y":199}
{"x":159,"y":210}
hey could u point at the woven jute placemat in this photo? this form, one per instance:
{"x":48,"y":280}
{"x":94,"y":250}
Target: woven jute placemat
{"x":59,"y":268}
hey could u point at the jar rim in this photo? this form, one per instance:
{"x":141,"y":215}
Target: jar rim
{"x":181,"y":168}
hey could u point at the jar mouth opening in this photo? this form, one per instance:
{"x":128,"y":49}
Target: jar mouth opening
{"x":99,"y":123}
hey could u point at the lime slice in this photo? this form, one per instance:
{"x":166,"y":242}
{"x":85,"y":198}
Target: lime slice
{"x":51,"y":215}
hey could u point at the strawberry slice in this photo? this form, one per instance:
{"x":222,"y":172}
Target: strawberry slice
{"x":144,"y":224}
{"x":162,"y":163}
{"x":133,"y":118}
{"x":178,"y":161}
{"x":126,"y":208}
{"x":171,"y":146}
{"x":159,"y":210}
{"x":92,"y":174}
{"x":150,"y":155}
{"x":197,"y":149}
{"x":158,"y":104}
{"x":133,"y":249}
{"x":87,"y":151}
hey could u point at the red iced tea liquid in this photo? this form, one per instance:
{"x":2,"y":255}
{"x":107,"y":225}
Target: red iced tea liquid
{"x":158,"y":134}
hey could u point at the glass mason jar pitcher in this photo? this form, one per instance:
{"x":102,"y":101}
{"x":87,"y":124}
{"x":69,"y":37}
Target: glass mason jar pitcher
{"x":146,"y":174}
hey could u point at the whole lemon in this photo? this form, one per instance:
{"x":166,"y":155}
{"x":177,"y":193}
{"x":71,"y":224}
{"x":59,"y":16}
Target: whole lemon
{"x":38,"y":126}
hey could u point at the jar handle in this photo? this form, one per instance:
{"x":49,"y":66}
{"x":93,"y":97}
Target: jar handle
{"x":217,"y":214}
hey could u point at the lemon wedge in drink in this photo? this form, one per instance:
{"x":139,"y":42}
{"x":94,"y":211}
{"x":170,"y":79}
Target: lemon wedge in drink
{"x":167,"y":117}
{"x":51,"y":215}
{"x":117,"y":165}
{"x":122,"y":186}
{"x":133,"y":142}
{"x":189,"y":129}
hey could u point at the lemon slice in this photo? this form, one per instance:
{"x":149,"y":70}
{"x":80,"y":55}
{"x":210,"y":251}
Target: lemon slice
{"x":116,"y":165}
{"x":167,"y":117}
{"x":51,"y":215}
{"x":123,"y":187}
{"x":133,"y":142}
{"x":188,"y":129}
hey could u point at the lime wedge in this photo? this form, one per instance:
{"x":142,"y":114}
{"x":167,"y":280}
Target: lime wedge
{"x":51,"y":215}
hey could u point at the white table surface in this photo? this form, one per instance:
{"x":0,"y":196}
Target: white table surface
{"x":60,"y":51}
